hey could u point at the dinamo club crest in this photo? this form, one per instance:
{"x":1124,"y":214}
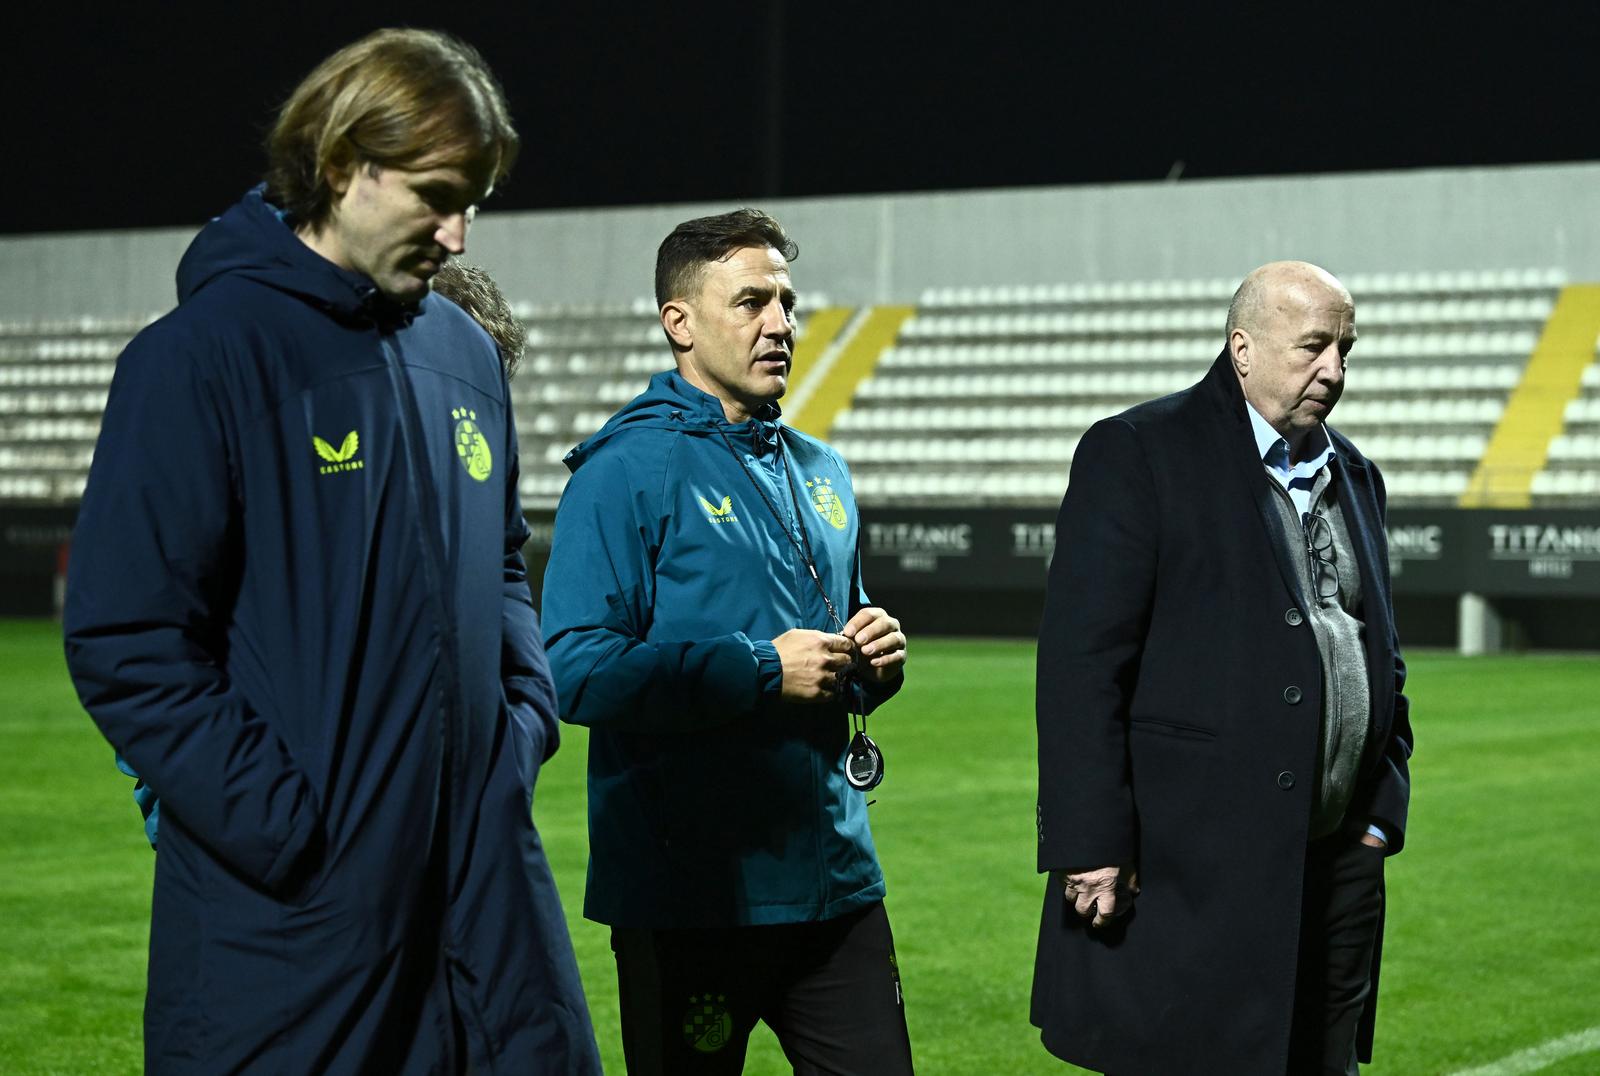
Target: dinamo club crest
{"x":707,"y":1025}
{"x":827,"y":502}
{"x":471,"y":445}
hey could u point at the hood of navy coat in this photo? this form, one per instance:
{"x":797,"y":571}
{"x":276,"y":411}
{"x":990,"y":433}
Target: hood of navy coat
{"x":254,"y":240}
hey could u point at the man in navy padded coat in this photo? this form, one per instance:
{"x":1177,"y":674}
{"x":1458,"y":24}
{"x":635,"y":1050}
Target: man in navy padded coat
{"x":297,"y":608}
{"x":474,"y":291}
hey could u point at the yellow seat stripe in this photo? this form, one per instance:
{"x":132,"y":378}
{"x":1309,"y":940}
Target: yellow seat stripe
{"x":854,"y":364}
{"x":1520,"y":444}
{"x":816,"y":335}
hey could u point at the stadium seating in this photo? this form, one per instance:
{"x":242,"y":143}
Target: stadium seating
{"x":979,"y":399}
{"x":985,"y":392}
{"x":1571,"y":475}
{"x":53,"y":381}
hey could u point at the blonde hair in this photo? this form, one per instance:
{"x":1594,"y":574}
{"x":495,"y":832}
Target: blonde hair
{"x":395,"y":99}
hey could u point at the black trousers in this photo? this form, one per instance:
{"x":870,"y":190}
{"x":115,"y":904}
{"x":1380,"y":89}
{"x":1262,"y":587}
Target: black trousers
{"x":1341,"y":910}
{"x":830,"y":991}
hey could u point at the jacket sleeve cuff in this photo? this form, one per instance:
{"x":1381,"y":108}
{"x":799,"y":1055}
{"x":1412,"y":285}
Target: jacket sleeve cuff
{"x":769,"y":670}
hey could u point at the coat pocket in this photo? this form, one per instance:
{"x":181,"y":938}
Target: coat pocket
{"x":1176,"y":729}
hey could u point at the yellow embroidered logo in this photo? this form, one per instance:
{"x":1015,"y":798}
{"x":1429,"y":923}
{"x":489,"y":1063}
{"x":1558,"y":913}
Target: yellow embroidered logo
{"x":341,"y":458}
{"x":471,"y":445}
{"x":827,"y":502}
{"x":719,"y":513}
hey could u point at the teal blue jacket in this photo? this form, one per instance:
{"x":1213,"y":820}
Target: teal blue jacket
{"x":711,"y":801}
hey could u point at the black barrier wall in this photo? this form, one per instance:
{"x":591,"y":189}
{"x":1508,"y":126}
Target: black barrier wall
{"x":1503,"y":554}
{"x":1521,"y":554}
{"x":982,"y":570}
{"x":33,"y":558}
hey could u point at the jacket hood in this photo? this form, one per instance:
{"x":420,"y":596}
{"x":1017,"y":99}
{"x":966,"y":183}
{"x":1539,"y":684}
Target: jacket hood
{"x":671,"y":403}
{"x":254,"y":240}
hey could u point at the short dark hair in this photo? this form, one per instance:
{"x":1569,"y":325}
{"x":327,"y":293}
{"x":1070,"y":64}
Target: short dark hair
{"x":395,"y":99}
{"x":683,"y":255}
{"x":474,"y":291}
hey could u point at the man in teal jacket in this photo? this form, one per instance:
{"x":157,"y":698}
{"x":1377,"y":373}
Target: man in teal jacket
{"x":704,"y":616}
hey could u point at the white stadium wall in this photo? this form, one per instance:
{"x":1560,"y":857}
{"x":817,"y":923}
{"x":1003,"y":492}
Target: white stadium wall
{"x":889,"y":248}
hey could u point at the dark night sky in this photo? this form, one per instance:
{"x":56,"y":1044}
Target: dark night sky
{"x":151,"y":114}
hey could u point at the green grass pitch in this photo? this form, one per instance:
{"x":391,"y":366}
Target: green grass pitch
{"x":1494,"y":924}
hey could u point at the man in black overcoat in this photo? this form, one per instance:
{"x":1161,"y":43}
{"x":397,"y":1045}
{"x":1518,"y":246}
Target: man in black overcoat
{"x":1222,"y":731}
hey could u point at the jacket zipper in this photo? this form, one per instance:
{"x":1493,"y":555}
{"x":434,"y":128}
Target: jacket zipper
{"x":426,"y":500}
{"x":799,"y":570}
{"x":433,"y":573}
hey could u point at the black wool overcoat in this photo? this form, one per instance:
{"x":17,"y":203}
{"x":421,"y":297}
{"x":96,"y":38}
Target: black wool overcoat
{"x":1179,"y":696}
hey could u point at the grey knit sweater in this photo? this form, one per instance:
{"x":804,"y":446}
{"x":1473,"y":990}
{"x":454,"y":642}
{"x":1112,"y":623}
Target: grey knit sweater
{"x":1337,"y":622}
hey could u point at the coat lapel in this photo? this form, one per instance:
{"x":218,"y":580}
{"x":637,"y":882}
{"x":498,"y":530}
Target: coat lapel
{"x":1359,"y":503}
{"x":1238,"y":451}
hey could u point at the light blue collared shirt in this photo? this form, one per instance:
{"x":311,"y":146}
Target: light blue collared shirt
{"x":1297,"y":479}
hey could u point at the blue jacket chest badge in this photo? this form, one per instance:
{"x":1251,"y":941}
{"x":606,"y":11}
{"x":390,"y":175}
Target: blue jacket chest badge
{"x":471,"y":445}
{"x":827,"y":502}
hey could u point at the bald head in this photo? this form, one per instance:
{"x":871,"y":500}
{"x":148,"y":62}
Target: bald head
{"x":1265,"y":289}
{"x":1290,"y":327}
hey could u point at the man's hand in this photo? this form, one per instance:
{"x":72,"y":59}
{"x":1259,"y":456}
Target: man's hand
{"x":813,"y":664}
{"x":1105,"y":893}
{"x":1372,"y":842}
{"x":878,"y":637}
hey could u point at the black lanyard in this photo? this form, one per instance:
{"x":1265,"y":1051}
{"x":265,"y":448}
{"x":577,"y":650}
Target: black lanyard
{"x":802,"y":544}
{"x":863,"y":767}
